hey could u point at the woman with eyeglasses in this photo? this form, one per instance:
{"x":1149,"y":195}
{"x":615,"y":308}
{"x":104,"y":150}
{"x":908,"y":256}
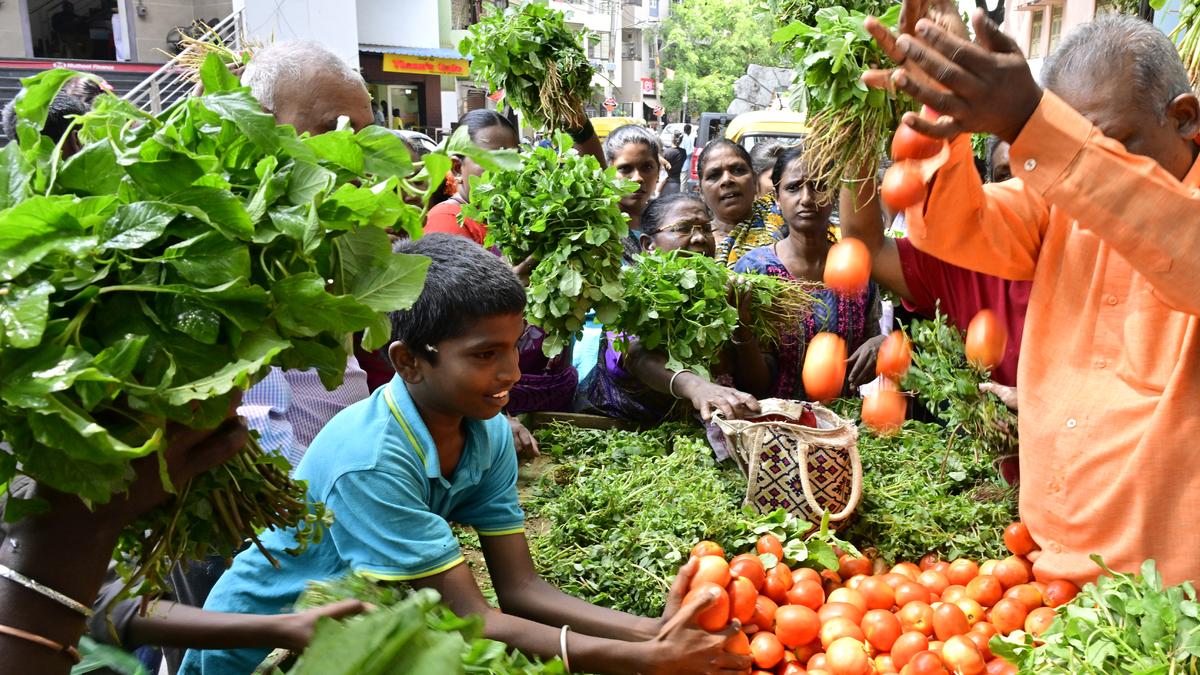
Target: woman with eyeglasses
{"x":800,"y":256}
{"x":635,"y":384}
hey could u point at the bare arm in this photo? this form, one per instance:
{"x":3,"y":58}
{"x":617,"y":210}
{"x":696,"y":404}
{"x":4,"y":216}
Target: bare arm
{"x":862,"y":218}
{"x":170,"y":624}
{"x":705,"y":396}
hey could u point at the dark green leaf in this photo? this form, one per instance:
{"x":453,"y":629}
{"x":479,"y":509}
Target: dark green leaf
{"x":216,"y":78}
{"x":136,"y":225}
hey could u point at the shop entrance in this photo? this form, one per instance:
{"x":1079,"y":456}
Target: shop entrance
{"x":83,"y":29}
{"x":403,"y":105}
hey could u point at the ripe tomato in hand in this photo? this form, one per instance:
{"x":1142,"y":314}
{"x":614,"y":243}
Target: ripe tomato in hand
{"x":986,"y":340}
{"x":707,"y":548}
{"x":908,"y":143}
{"x":742,"y":596}
{"x":848,"y":267}
{"x":885,"y":409}
{"x":713,"y":569}
{"x":895,"y":356}
{"x":824,"y":372}
{"x":903,"y":186}
{"x":737,"y":643}
{"x":716,"y":616}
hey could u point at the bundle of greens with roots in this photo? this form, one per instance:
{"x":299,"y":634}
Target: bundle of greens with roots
{"x":158,"y":272}
{"x":528,"y":52}
{"x":679,"y":303}
{"x":1186,"y":36}
{"x":850,"y":124}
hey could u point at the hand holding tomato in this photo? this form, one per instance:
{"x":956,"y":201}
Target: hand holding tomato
{"x":681,"y":646}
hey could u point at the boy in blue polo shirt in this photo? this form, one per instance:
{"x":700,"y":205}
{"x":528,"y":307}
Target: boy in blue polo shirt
{"x":429,"y":448}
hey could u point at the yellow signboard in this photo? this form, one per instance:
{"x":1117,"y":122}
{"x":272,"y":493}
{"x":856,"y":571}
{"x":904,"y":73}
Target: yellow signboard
{"x":425,"y":65}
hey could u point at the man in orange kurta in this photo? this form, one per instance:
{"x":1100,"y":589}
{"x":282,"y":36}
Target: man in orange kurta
{"x":1103,"y":214}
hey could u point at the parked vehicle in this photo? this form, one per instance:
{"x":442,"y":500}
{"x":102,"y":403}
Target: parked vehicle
{"x":605,"y":125}
{"x":712,"y":125}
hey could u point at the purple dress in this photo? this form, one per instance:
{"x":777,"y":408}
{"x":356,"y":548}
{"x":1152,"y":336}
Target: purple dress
{"x":612,"y":391}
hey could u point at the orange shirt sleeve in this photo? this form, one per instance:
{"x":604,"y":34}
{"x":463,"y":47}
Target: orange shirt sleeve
{"x":1142,"y":211}
{"x":995,"y":229}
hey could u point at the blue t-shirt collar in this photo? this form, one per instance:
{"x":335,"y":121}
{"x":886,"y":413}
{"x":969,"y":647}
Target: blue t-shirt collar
{"x":476,"y":458}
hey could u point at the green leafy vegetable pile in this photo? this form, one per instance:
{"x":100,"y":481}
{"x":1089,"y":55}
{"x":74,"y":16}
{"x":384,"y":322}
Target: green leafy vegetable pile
{"x":624,"y":509}
{"x":562,"y":210}
{"x":679,"y":303}
{"x":410,"y":633}
{"x":528,"y":52}
{"x":850,"y":124}
{"x":805,"y":11}
{"x":935,"y":487}
{"x":155,"y":274}
{"x":1123,"y":623}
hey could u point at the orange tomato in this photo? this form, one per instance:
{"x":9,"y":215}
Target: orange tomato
{"x":987,"y":567}
{"x":806,"y":593}
{"x":847,"y":656}
{"x":928,"y":561}
{"x":971,"y":609}
{"x":949,"y":620}
{"x":985,"y":589}
{"x":924,"y":663}
{"x":906,"y":645}
{"x":941,"y":566}
{"x":769,"y":543}
{"x":903,"y":186}
{"x":916,"y":616}
{"x":954,"y":593}
{"x":1037,"y":621}
{"x":935,"y":582}
{"x":764,"y":613}
{"x":712,"y":569}
{"x":1027,"y":594}
{"x":824,"y":371}
{"x":749,"y":566}
{"x":707,"y":547}
{"x":881,"y":628}
{"x":877,"y":593}
{"x":766,"y":649}
{"x":894,"y":579}
{"x":804,"y":653}
{"x":779,"y":580}
{"x":962,"y":571}
{"x":737,"y":643}
{"x":839,"y":627}
{"x":818,"y":662}
{"x":790,"y":668}
{"x":805,"y":574}
{"x":998,"y":666}
{"x":855,"y":581}
{"x":850,"y":597}
{"x":834,"y":610}
{"x":980,"y":640}
{"x":1008,"y":615}
{"x":1011,"y":572}
{"x":894,"y":357}
{"x":885,"y":409}
{"x":716,"y":616}
{"x":908,"y":143}
{"x":742,"y":597}
{"x":986,"y":340}
{"x":911,"y":591}
{"x":907,"y":570}
{"x":848,"y":266}
{"x":849,"y":566}
{"x":1059,"y":592}
{"x":1018,"y":540}
{"x":796,"y":625}
{"x":884,"y":664}
{"x":961,"y":655}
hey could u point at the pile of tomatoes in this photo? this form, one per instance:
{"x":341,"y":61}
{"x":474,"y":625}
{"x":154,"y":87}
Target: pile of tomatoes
{"x":934,"y":618}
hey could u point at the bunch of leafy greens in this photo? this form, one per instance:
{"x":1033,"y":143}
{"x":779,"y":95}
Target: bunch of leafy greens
{"x":528,"y":53}
{"x":850,"y":124}
{"x":1123,"y":623}
{"x":786,"y":12}
{"x":623,"y":510}
{"x":159,"y":271}
{"x":560,"y":209}
{"x":935,"y":487}
{"x":410,"y":632}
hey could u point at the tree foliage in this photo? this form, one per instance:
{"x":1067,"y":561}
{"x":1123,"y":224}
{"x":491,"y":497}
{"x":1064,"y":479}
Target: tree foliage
{"x":709,"y":44}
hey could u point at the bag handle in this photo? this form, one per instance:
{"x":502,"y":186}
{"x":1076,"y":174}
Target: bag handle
{"x":855,"y":484}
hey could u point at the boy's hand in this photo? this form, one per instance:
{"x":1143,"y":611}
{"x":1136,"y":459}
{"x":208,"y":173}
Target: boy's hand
{"x":681,"y":646}
{"x":527,"y":445}
{"x":296,"y":630}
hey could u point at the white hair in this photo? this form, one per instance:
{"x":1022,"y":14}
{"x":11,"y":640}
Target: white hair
{"x":285,"y":63}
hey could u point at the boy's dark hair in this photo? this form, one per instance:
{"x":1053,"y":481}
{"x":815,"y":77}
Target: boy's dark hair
{"x":740,"y":151}
{"x":657,"y":208}
{"x":464,"y":283}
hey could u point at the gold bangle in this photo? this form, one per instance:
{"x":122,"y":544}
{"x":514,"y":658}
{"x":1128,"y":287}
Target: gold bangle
{"x":69,"y":651}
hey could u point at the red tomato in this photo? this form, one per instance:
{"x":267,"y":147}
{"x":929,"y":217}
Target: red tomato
{"x":847,"y":656}
{"x":998,"y":666}
{"x":885,"y":664}
{"x":769,"y":543}
{"x":962,"y":571}
{"x":980,"y":640}
{"x":749,"y":566}
{"x":712,"y":569}
{"x":885,"y":409}
{"x":954,"y":593}
{"x":824,"y":371}
{"x":941,"y":566}
{"x":906,"y":645}
{"x":877,"y":593}
{"x":779,"y":580}
{"x":894,"y":579}
{"x":742,"y":597}
{"x":796,"y":625}
{"x":1008,"y":615}
{"x":987,"y":567}
{"x":908,"y":143}
{"x":1027,"y":594}
{"x":881,"y":629}
{"x":986,"y":340}
{"x":831,"y":610}
{"x":818,"y":662}
{"x":806,"y":593}
{"x":766,"y":649}
{"x":805,"y":574}
{"x":848,"y":596}
{"x":903,"y":186}
{"x":928,"y":561}
{"x":791,"y":668}
{"x":1011,"y":572}
{"x":855,"y":581}
{"x":717,"y":615}
{"x":1018,"y":540}
{"x":972,"y":610}
{"x":916,"y":616}
{"x":935,"y":582}
{"x":1037,"y":621}
{"x":924,"y":663}
{"x":911,"y":591}
{"x":960,"y":654}
{"x":839,"y":627}
{"x":906,"y":570}
{"x":848,"y":267}
{"x":707,"y":547}
{"x":985,"y":589}
{"x":849,"y":566}
{"x":949,"y":620}
{"x":1060,"y":592}
{"x":804,"y":653}
{"x":737,"y":643}
{"x":895,"y":356}
{"x":764,"y":612}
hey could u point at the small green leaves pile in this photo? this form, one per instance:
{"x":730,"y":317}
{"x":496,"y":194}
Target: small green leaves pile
{"x":561,"y":210}
{"x":528,"y":52}
{"x":1123,"y":623}
{"x":155,"y":274}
